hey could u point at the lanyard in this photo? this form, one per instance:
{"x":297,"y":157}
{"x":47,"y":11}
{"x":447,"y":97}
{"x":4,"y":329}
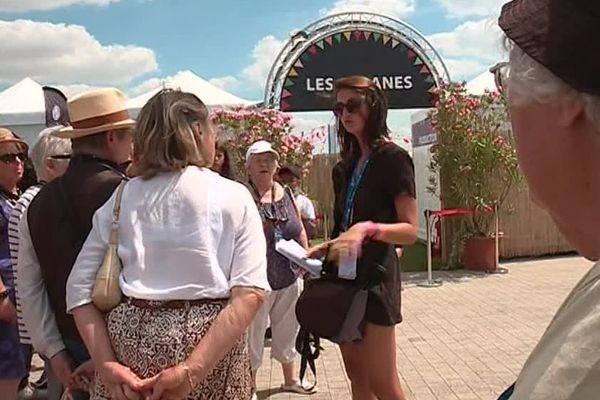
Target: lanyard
{"x":351,"y":195}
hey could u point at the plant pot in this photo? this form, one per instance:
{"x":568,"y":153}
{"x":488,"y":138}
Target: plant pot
{"x":480,"y":254}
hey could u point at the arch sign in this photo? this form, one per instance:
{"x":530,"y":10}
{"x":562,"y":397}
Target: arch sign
{"x":395,"y":67}
{"x":398,"y":63}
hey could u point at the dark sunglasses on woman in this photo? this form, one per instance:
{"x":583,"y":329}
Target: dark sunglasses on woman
{"x":352,"y":106}
{"x":11,"y":158}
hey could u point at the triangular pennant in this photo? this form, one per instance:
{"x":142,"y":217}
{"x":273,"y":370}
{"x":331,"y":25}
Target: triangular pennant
{"x":386,"y":39}
{"x":412,"y":55}
{"x":395,"y":43}
{"x":299,"y":64}
{"x":357,"y":35}
{"x":305,"y":57}
{"x":288,"y":83}
{"x":424,"y":70}
{"x":403,"y":47}
{"x":347,"y":35}
{"x":418,"y":61}
{"x":293,"y":73}
{"x":284,"y":105}
{"x":338,"y":37}
{"x":376,"y":36}
{"x":329,"y":40}
{"x":285,"y":94}
{"x":368,"y":35}
{"x":313,"y":50}
{"x":429,"y":79}
{"x":321,"y":45}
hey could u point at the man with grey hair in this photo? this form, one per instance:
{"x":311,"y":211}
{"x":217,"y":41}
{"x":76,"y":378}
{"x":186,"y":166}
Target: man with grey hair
{"x":553,"y":88}
{"x":50,"y":156}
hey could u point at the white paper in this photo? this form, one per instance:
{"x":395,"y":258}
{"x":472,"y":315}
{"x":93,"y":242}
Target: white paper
{"x":347,"y":267}
{"x":294,"y":252}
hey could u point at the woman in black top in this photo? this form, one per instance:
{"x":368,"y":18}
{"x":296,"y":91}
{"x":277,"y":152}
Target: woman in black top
{"x":375,"y":210}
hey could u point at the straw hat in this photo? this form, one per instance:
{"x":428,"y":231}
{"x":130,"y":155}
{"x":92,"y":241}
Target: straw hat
{"x":7,"y":136}
{"x":96,"y":111}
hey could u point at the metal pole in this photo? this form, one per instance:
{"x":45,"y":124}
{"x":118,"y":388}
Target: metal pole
{"x":430,"y":282}
{"x":496,"y":235}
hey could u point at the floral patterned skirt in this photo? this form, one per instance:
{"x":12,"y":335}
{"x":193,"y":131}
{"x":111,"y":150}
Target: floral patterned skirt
{"x":150,"y":340}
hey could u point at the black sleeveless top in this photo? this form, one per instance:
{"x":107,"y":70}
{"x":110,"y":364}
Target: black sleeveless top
{"x":389,"y":174}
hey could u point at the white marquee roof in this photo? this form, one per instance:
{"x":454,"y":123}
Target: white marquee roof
{"x":188,"y":81}
{"x":23,"y":104}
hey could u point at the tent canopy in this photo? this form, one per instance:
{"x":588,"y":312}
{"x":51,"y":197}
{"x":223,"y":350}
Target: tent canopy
{"x":23,"y":104}
{"x":481,"y":83}
{"x":188,"y":81}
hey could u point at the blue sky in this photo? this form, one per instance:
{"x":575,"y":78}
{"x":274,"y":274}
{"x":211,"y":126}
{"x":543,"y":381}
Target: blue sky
{"x":125,"y":43}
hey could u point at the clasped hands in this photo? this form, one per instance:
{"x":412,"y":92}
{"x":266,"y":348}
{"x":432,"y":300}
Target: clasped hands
{"x":171,"y":384}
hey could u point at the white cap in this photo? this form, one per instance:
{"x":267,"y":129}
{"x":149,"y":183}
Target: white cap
{"x":260,"y":147}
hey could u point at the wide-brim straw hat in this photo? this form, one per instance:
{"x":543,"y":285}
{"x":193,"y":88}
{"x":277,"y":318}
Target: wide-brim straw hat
{"x":96,"y":111}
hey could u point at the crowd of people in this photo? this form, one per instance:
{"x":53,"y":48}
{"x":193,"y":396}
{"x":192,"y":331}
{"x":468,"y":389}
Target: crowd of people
{"x":200,"y":276}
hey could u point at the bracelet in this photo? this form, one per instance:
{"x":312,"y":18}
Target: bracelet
{"x":373,"y":229}
{"x":188,"y":373}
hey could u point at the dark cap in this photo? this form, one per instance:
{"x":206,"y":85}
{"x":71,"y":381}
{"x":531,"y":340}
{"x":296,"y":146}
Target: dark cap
{"x":289,"y":170}
{"x":562,"y":35}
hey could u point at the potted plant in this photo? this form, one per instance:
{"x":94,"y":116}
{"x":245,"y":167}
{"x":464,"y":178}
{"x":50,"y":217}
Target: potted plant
{"x":242,"y":127}
{"x":475,"y":160}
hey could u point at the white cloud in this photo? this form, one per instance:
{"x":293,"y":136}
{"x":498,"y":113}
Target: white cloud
{"x":393,"y":8}
{"x":254,"y":76}
{"x":42,"y":5}
{"x":470,"y":48}
{"x":64,"y":54}
{"x":470,"y":8}
{"x":75,"y":89}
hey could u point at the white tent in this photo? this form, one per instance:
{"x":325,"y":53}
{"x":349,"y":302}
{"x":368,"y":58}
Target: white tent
{"x":23,"y":109}
{"x":188,"y":81}
{"x":481,"y":83}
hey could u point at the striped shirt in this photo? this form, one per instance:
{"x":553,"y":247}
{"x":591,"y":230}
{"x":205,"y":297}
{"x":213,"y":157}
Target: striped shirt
{"x":13,"y":243}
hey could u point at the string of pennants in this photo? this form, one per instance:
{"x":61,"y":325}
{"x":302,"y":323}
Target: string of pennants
{"x":356,"y":35}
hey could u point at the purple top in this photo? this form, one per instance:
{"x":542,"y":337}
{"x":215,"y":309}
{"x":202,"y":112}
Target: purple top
{"x":7,"y":203}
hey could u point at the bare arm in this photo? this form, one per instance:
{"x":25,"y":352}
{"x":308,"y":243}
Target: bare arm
{"x":226,"y":331}
{"x":94,"y":333}
{"x":404,"y":232}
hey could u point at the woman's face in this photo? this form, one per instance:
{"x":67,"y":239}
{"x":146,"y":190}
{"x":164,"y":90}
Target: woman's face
{"x":262,"y":166}
{"x":219,"y":160}
{"x":352,"y":111}
{"x":12,"y":157}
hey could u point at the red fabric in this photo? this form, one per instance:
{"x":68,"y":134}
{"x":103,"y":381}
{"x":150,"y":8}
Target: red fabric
{"x":455,"y":212}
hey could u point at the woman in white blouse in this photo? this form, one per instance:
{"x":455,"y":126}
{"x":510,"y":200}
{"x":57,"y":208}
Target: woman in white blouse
{"x":194,"y":267}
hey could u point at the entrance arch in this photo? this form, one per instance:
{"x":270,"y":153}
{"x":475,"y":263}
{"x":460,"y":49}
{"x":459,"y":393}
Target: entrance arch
{"x":390,"y":51}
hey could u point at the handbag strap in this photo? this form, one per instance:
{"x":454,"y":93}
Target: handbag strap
{"x":114,"y":228}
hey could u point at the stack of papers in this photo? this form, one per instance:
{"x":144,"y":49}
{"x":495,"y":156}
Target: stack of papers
{"x":294,"y":252}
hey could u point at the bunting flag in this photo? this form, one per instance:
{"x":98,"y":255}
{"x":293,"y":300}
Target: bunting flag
{"x":315,"y":49}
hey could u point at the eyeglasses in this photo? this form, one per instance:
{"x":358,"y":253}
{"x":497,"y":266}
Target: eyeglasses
{"x":60,"y":157}
{"x":352,"y":106}
{"x":11,"y":158}
{"x":501,"y":73}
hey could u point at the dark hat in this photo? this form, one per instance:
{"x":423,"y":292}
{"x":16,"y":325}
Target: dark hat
{"x":289,"y":170}
{"x":562,"y":35}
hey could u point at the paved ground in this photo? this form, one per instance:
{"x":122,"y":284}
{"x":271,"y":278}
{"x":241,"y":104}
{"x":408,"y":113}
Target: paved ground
{"x":464,"y":340}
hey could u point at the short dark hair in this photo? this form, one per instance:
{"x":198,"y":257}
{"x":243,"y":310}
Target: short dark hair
{"x":96,"y":141}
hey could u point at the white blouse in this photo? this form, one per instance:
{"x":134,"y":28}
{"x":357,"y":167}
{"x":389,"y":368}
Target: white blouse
{"x":182,"y":236}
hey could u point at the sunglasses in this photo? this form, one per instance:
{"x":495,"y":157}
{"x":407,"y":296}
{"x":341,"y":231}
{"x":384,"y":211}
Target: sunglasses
{"x":352,"y":106}
{"x":60,"y":157}
{"x":11,"y":158}
{"x":501,"y":73}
